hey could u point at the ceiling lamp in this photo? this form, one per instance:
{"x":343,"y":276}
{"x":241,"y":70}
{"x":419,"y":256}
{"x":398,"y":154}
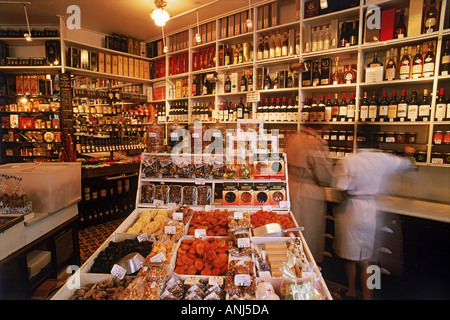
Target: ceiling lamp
{"x":160,"y":15}
{"x":197,"y":36}
{"x":249,"y":20}
{"x":27,"y":35}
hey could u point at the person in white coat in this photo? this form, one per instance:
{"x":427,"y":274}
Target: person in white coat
{"x":309,"y":171}
{"x":360,"y":176}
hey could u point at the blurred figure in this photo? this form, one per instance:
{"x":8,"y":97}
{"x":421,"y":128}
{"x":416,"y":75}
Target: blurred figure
{"x":309,"y":170}
{"x":360,"y":176}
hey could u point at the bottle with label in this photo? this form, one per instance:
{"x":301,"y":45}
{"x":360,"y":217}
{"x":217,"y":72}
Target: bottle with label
{"x":228,"y":84}
{"x":417,"y":64}
{"x":260,"y":52}
{"x":404,"y":64}
{"x":296,"y":109}
{"x":272,"y":46}
{"x":266,"y":52}
{"x":240,"y":110}
{"x":267,"y":81}
{"x":441,"y":106}
{"x":375,"y":62}
{"x":326,"y":37}
{"x":313,"y":110}
{"x":314,"y":37}
{"x":227,"y":55}
{"x":402,"y":107}
{"x":424,"y":107}
{"x":349,"y":75}
{"x":328,"y":108}
{"x":400,"y":29}
{"x":445,"y":60}
{"x":277,"y":111}
{"x":343,"y":109}
{"x":351,"y":108}
{"x":290,"y":111}
{"x":305,"y":111}
{"x":250,"y":82}
{"x":413,"y":107}
{"x":316,"y":74}
{"x":243,"y":83}
{"x":383,"y":108}
{"x":321,"y":109}
{"x":392,"y":109}
{"x":283,"y":110}
{"x":307,"y":74}
{"x":343,"y":40}
{"x":278,"y":44}
{"x":266,"y":110}
{"x":285,"y":43}
{"x":431,"y":18}
{"x":271,"y":110}
{"x":336,"y":78}
{"x":335,"y":108}
{"x":353,"y":38}
{"x":364,"y":109}
{"x":391,"y":67}
{"x":373,"y":108}
{"x":428,"y":62}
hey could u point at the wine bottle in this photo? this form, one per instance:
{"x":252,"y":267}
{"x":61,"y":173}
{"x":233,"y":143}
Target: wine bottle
{"x":364,"y":109}
{"x":391,"y":67}
{"x":343,"y":40}
{"x":353,"y":39}
{"x":305,"y":113}
{"x":243,"y":82}
{"x":250,"y":82}
{"x":417,"y":64}
{"x":335,"y":108}
{"x":321,"y":109}
{"x":328,"y":108}
{"x":373,"y":108}
{"x":441,"y":106}
{"x":277,"y":111}
{"x":228,"y":84}
{"x":424,"y":107}
{"x":404,"y":64}
{"x":283,"y":110}
{"x":278,"y":44}
{"x":313,"y":110}
{"x":266,"y":52}
{"x":445,"y":60}
{"x":383,"y":108}
{"x":272,"y":46}
{"x":351,"y":108}
{"x":240,"y":110}
{"x":392,"y":109}
{"x":402,"y":107}
{"x":285,"y":44}
{"x":227,"y":55}
{"x":428,"y":62}
{"x":260,"y":53}
{"x":267,"y":81}
{"x":290,"y":111}
{"x":343,"y":109}
{"x":431,"y":18}
{"x":400,"y":29}
{"x":316,"y":74}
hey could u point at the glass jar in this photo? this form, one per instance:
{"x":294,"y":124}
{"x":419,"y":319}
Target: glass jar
{"x":333,"y":135}
{"x":380,"y":136}
{"x":400,"y":137}
{"x":437,"y":158}
{"x":438,"y":137}
{"x":411,"y":137}
{"x":342,"y":136}
{"x":421,"y":156}
{"x":447,"y":137}
{"x":447,"y":158}
{"x":390,"y":137}
{"x":326,"y":135}
{"x":350,"y":136}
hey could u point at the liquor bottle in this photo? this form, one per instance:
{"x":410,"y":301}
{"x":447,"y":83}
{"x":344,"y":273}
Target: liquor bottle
{"x":424,"y":107}
{"x":400,"y":29}
{"x":343,"y":109}
{"x":267,"y":81}
{"x":351,"y":108}
{"x":417,"y":64}
{"x":375,"y":62}
{"x":373,"y":108}
{"x":236,"y":55}
{"x":428,"y":62}
{"x":315,"y":36}
{"x":278,"y":44}
{"x":277,"y":111}
{"x":240,"y":50}
{"x":325,"y":71}
{"x":194,"y":87}
{"x":413,"y":107}
{"x":231,"y":113}
{"x":227,"y":55}
{"x":445,"y":60}
{"x":205,"y":87}
{"x":225,"y":111}
{"x":285,"y":44}
{"x":343,"y":41}
{"x":392,"y":109}
{"x":336,"y":78}
{"x":383,"y":108}
{"x":402,"y":107}
{"x":259,"y":110}
{"x":283,"y":110}
{"x":260,"y":53}
{"x":364,"y":109}
{"x":228,"y":84}
{"x":349,"y":75}
{"x":391,"y":67}
{"x":305,"y":113}
{"x":441,"y":106}
{"x":404,"y":64}
{"x":271,"y":116}
{"x":321,"y":109}
{"x":313,"y":110}
{"x":316,"y":74}
{"x":353,"y":39}
{"x":320,"y":39}
{"x":275,"y":81}
{"x":297,"y":41}
{"x":335,"y":108}
{"x":250,"y":82}
{"x":328,"y":108}
{"x":290,"y":112}
{"x":296,"y":109}
{"x":240,"y":110}
{"x":243,"y":83}
{"x":272,"y":46}
{"x":266,"y":52}
{"x":266,"y":110}
{"x":431,"y":18}
{"x":290,"y":81}
{"x":326,"y":37}
{"x":248,"y":111}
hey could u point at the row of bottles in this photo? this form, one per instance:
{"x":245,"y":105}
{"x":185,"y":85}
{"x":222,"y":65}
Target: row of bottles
{"x":326,"y":75}
{"x":277,"y":45}
{"x":87,"y":144}
{"x":277,"y":110}
{"x":235,"y":54}
{"x":327,"y":110}
{"x":229,"y":111}
{"x":281,"y":79}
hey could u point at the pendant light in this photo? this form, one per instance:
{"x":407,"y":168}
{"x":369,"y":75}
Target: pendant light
{"x":27,"y":35}
{"x":165,"y":47}
{"x":160,"y":15}
{"x":198,"y":38}
{"x":249,"y":20}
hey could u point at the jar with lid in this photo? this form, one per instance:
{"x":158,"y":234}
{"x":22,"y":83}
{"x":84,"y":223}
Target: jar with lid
{"x":326,"y":134}
{"x":437,"y":158}
{"x":342,"y":135}
{"x":438,"y":137}
{"x":380,"y":136}
{"x":400,"y":137}
{"x":421,"y":156}
{"x":350,"y":136}
{"x":411,"y":137}
{"x":333,"y":135}
{"x":447,"y":137}
{"x":390,"y":137}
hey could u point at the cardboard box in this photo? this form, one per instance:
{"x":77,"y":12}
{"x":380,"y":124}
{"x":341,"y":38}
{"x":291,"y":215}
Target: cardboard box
{"x":274,"y":14}
{"x":114,"y":64}
{"x":266,"y":19}
{"x":125,"y":66}
{"x":19,"y":84}
{"x":260,"y":18}
{"x":84,"y":59}
{"x":244,"y":17}
{"x":374,"y":74}
{"x":237,"y":24}
{"x":107,"y":63}
{"x":387,"y":24}
{"x":93,"y":59}
{"x":223,"y":28}
{"x":213,"y":31}
{"x":141,"y":68}
{"x":101,"y":62}
{"x":231,"y":26}
{"x":120,"y":65}
{"x":415,"y":17}
{"x":370,"y":35}
{"x":203,"y":32}
{"x":146,"y":70}
{"x":131,"y":67}
{"x":136,"y":69}
{"x":235,"y":82}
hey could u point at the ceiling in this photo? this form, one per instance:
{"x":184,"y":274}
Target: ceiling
{"x":126,"y":17}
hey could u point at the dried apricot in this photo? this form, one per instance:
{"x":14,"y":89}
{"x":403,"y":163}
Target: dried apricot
{"x":191,"y":270}
{"x":215,"y":272}
{"x":206,"y":272}
{"x":198,"y":265}
{"x":200,"y":248}
{"x":210,"y":255}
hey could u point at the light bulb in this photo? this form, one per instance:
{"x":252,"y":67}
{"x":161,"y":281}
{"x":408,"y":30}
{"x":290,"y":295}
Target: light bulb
{"x":160,"y":16}
{"x":24,"y":100}
{"x":166,"y":49}
{"x":249,"y":23}
{"x":27,"y":37}
{"x":198,"y":38}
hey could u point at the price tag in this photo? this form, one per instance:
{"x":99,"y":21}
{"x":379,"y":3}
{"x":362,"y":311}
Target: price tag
{"x":200,"y":181}
{"x":158,"y":203}
{"x":243,"y":242}
{"x":215,"y":281}
{"x":253,"y":96}
{"x":209,"y":208}
{"x":160,"y":257}
{"x":171,"y":206}
{"x":242,"y":280}
{"x":267,"y":208}
{"x":264,"y":274}
{"x":170,"y":229}
{"x":177,"y":216}
{"x":200,"y":233}
{"x":192,"y":281}
{"x":238,"y":215}
{"x":285,"y":204}
{"x":142,"y":237}
{"x":118,"y":271}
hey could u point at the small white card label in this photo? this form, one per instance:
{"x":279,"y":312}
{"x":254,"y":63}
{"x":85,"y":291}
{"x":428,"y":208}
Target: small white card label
{"x":267,"y":208}
{"x":285,"y":204}
{"x":158,"y":203}
{"x":200,"y":181}
{"x":142,"y":237}
{"x":238,"y":215}
{"x":209,"y":208}
{"x":215,"y":281}
{"x":242,"y":280}
{"x":243,"y":242}
{"x":264,"y":274}
{"x":177,"y":216}
{"x":160,"y":257}
{"x":200,"y":233}
{"x":170,"y":229}
{"x":118,"y":271}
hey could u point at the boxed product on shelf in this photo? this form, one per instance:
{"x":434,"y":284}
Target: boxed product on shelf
{"x":246,"y":195}
{"x":230,"y":194}
{"x":277,"y":194}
